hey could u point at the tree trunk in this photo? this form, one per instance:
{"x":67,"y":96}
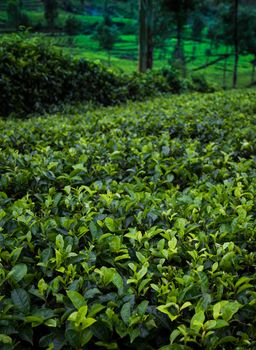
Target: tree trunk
{"x":150,"y":24}
{"x":179,"y":40}
{"x":105,"y":8}
{"x":179,"y":48}
{"x":143,"y":37}
{"x":236,"y":42}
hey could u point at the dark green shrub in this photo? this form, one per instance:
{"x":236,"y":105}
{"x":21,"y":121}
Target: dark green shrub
{"x":173,"y":80}
{"x":200,"y":84}
{"x":35,"y":76}
{"x":154,"y":82}
{"x":73,"y":26}
{"x":15,"y":15}
{"x":32,"y":75}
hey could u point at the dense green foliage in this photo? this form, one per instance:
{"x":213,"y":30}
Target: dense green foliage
{"x":130,"y":227}
{"x":35,"y":76}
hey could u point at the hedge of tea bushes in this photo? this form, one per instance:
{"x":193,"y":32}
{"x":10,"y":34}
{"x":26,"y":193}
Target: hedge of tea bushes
{"x":130,"y":227}
{"x":37,"y":77}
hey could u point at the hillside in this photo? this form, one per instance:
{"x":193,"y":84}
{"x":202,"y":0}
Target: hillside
{"x":130,"y":227}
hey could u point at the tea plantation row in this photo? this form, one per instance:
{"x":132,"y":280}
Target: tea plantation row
{"x":130,"y":227}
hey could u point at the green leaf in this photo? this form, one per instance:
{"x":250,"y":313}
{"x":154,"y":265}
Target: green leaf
{"x":95,"y":230}
{"x":135,"y":333}
{"x":73,"y":338}
{"x":80,"y":315}
{"x":241,"y":281}
{"x":126,"y":312}
{"x":107,"y":275}
{"x":26,"y":333}
{"x":227,"y":339}
{"x":34,"y":320}
{"x":180,"y":224}
{"x":141,"y":257}
{"x":142,"y":307}
{"x":86,"y":336}
{"x":176,"y":347}
{"x":95,"y":309}
{"x":118,"y":282}
{"x":185,"y":305}
{"x":18,"y":272}
{"x":226,"y":309}
{"x":115,"y":243}
{"x":215,"y":324}
{"x":21,"y":300}
{"x":111,"y":225}
{"x":88,"y":322}
{"x":107,"y":345}
{"x":89,"y":294}
{"x":217,"y":308}
{"x":59,"y":242}
{"x":5,"y":339}
{"x":197,"y":321}
{"x":166,"y":310}
{"x":203,"y":302}
{"x":229,"y":309}
{"x":227,"y":261}
{"x":51,"y":323}
{"x":143,"y":271}
{"x":142,"y":286}
{"x":76,"y":298}
{"x":174,"y":335}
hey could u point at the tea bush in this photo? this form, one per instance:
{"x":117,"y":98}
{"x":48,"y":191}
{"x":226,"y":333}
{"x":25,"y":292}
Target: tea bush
{"x":130,"y":227}
{"x":200,"y":84}
{"x":36,"y":76}
{"x":73,"y":26}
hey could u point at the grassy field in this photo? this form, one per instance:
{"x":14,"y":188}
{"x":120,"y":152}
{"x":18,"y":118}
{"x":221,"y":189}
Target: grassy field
{"x":130,"y":227}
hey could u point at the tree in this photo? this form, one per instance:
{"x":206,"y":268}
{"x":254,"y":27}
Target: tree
{"x":179,"y":9}
{"x":50,"y":12}
{"x":14,"y":13}
{"x":107,"y":35}
{"x":237,"y":29}
{"x":247,"y":35}
{"x":220,"y":31}
{"x":197,"y":30}
{"x":145,"y":35}
{"x":163,"y":29}
{"x":236,"y":40}
{"x":82,"y":3}
{"x":73,"y":25}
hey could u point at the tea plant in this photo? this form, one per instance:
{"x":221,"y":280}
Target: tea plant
{"x":31,"y":67}
{"x":130,"y":227}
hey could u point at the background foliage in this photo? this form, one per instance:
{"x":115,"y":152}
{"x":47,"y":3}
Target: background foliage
{"x":207,"y":39}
